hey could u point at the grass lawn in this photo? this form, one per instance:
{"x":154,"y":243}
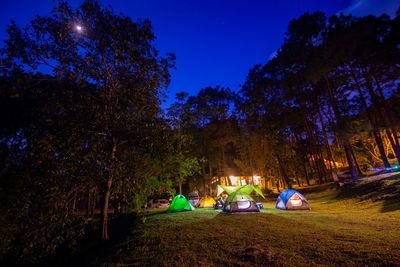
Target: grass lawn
{"x":358,"y":224}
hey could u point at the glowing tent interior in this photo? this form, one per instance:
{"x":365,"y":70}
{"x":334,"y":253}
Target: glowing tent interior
{"x":239,"y":201}
{"x":292,"y":200}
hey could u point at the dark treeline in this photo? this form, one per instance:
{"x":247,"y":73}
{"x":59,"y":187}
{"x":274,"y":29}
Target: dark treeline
{"x":91,"y":132}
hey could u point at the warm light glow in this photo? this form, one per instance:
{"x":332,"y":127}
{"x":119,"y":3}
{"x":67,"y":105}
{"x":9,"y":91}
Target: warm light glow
{"x":233,"y":179}
{"x":329,"y":162}
{"x":79,"y":28}
{"x":296,"y":202}
{"x":256,"y":179}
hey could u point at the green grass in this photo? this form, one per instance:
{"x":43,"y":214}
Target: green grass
{"x":355,"y":225}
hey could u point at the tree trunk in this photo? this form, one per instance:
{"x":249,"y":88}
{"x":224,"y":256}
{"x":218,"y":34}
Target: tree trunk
{"x":73,"y":203}
{"x":93,"y":208}
{"x":350,"y":160}
{"x":305,"y":172}
{"x":88,"y":206}
{"x":311,"y":172}
{"x":394,"y":141}
{"x":297,"y":178}
{"x":104,"y":211}
{"x":277,"y":186}
{"x":106,"y":197}
{"x":312,"y":142}
{"x":339,"y":118}
{"x":222,"y":160}
{"x":355,"y":162}
{"x":313,"y":168}
{"x":379,"y":143}
{"x":328,"y":146}
{"x":322,"y":164}
{"x":395,"y":147}
{"x":317,"y":167}
{"x":387,"y":117}
{"x":375,"y":131}
{"x":395,"y":144}
{"x":283,"y":172}
{"x":203,"y":167}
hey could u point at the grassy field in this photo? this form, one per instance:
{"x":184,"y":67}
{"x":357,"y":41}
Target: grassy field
{"x":358,"y":224}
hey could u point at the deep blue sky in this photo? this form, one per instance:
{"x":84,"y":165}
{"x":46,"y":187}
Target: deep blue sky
{"x":216,"y":42}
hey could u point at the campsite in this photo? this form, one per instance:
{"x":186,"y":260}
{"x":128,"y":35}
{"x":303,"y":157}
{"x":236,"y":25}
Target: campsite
{"x":340,"y":229}
{"x":200,"y":133}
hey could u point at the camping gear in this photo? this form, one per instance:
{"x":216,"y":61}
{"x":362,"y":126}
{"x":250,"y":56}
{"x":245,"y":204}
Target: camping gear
{"x":194,"y":201}
{"x":260,"y":206}
{"x":292,"y":200}
{"x":206,"y":202}
{"x":160,"y":204}
{"x":194,"y":198}
{"x":219,"y":205}
{"x":180,"y":203}
{"x":240,"y":202}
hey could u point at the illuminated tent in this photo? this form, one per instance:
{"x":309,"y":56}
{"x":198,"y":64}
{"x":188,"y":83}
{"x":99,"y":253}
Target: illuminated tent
{"x":180,"y":203}
{"x":248,"y":188}
{"x":240,"y":201}
{"x":206,"y":202}
{"x":292,"y":200}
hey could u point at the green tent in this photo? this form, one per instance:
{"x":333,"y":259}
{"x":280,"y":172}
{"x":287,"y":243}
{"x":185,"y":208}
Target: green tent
{"x":248,"y":188}
{"x":240,"y":201}
{"x":180,"y":203}
{"x":228,"y":189}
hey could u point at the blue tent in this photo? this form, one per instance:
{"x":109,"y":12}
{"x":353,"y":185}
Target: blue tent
{"x":292,"y":200}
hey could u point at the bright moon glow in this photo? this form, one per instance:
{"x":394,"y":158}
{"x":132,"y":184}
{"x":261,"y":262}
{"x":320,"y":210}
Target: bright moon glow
{"x":79,"y":28}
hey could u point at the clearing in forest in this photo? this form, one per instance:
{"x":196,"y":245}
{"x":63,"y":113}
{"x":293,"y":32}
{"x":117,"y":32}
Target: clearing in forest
{"x":358,"y":224}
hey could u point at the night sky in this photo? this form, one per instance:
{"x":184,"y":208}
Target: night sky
{"x":216,"y":42}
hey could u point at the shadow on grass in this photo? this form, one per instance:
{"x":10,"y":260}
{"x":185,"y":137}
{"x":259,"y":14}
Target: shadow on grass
{"x":389,"y":206}
{"x":92,"y":251}
{"x":315,"y":188}
{"x":124,"y":232}
{"x":198,"y":241}
{"x":386,"y":190}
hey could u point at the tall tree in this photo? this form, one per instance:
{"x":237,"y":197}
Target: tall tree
{"x":111,"y":51}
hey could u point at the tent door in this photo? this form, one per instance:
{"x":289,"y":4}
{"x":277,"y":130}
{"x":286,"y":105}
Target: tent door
{"x":243,"y":204}
{"x":296,"y":200}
